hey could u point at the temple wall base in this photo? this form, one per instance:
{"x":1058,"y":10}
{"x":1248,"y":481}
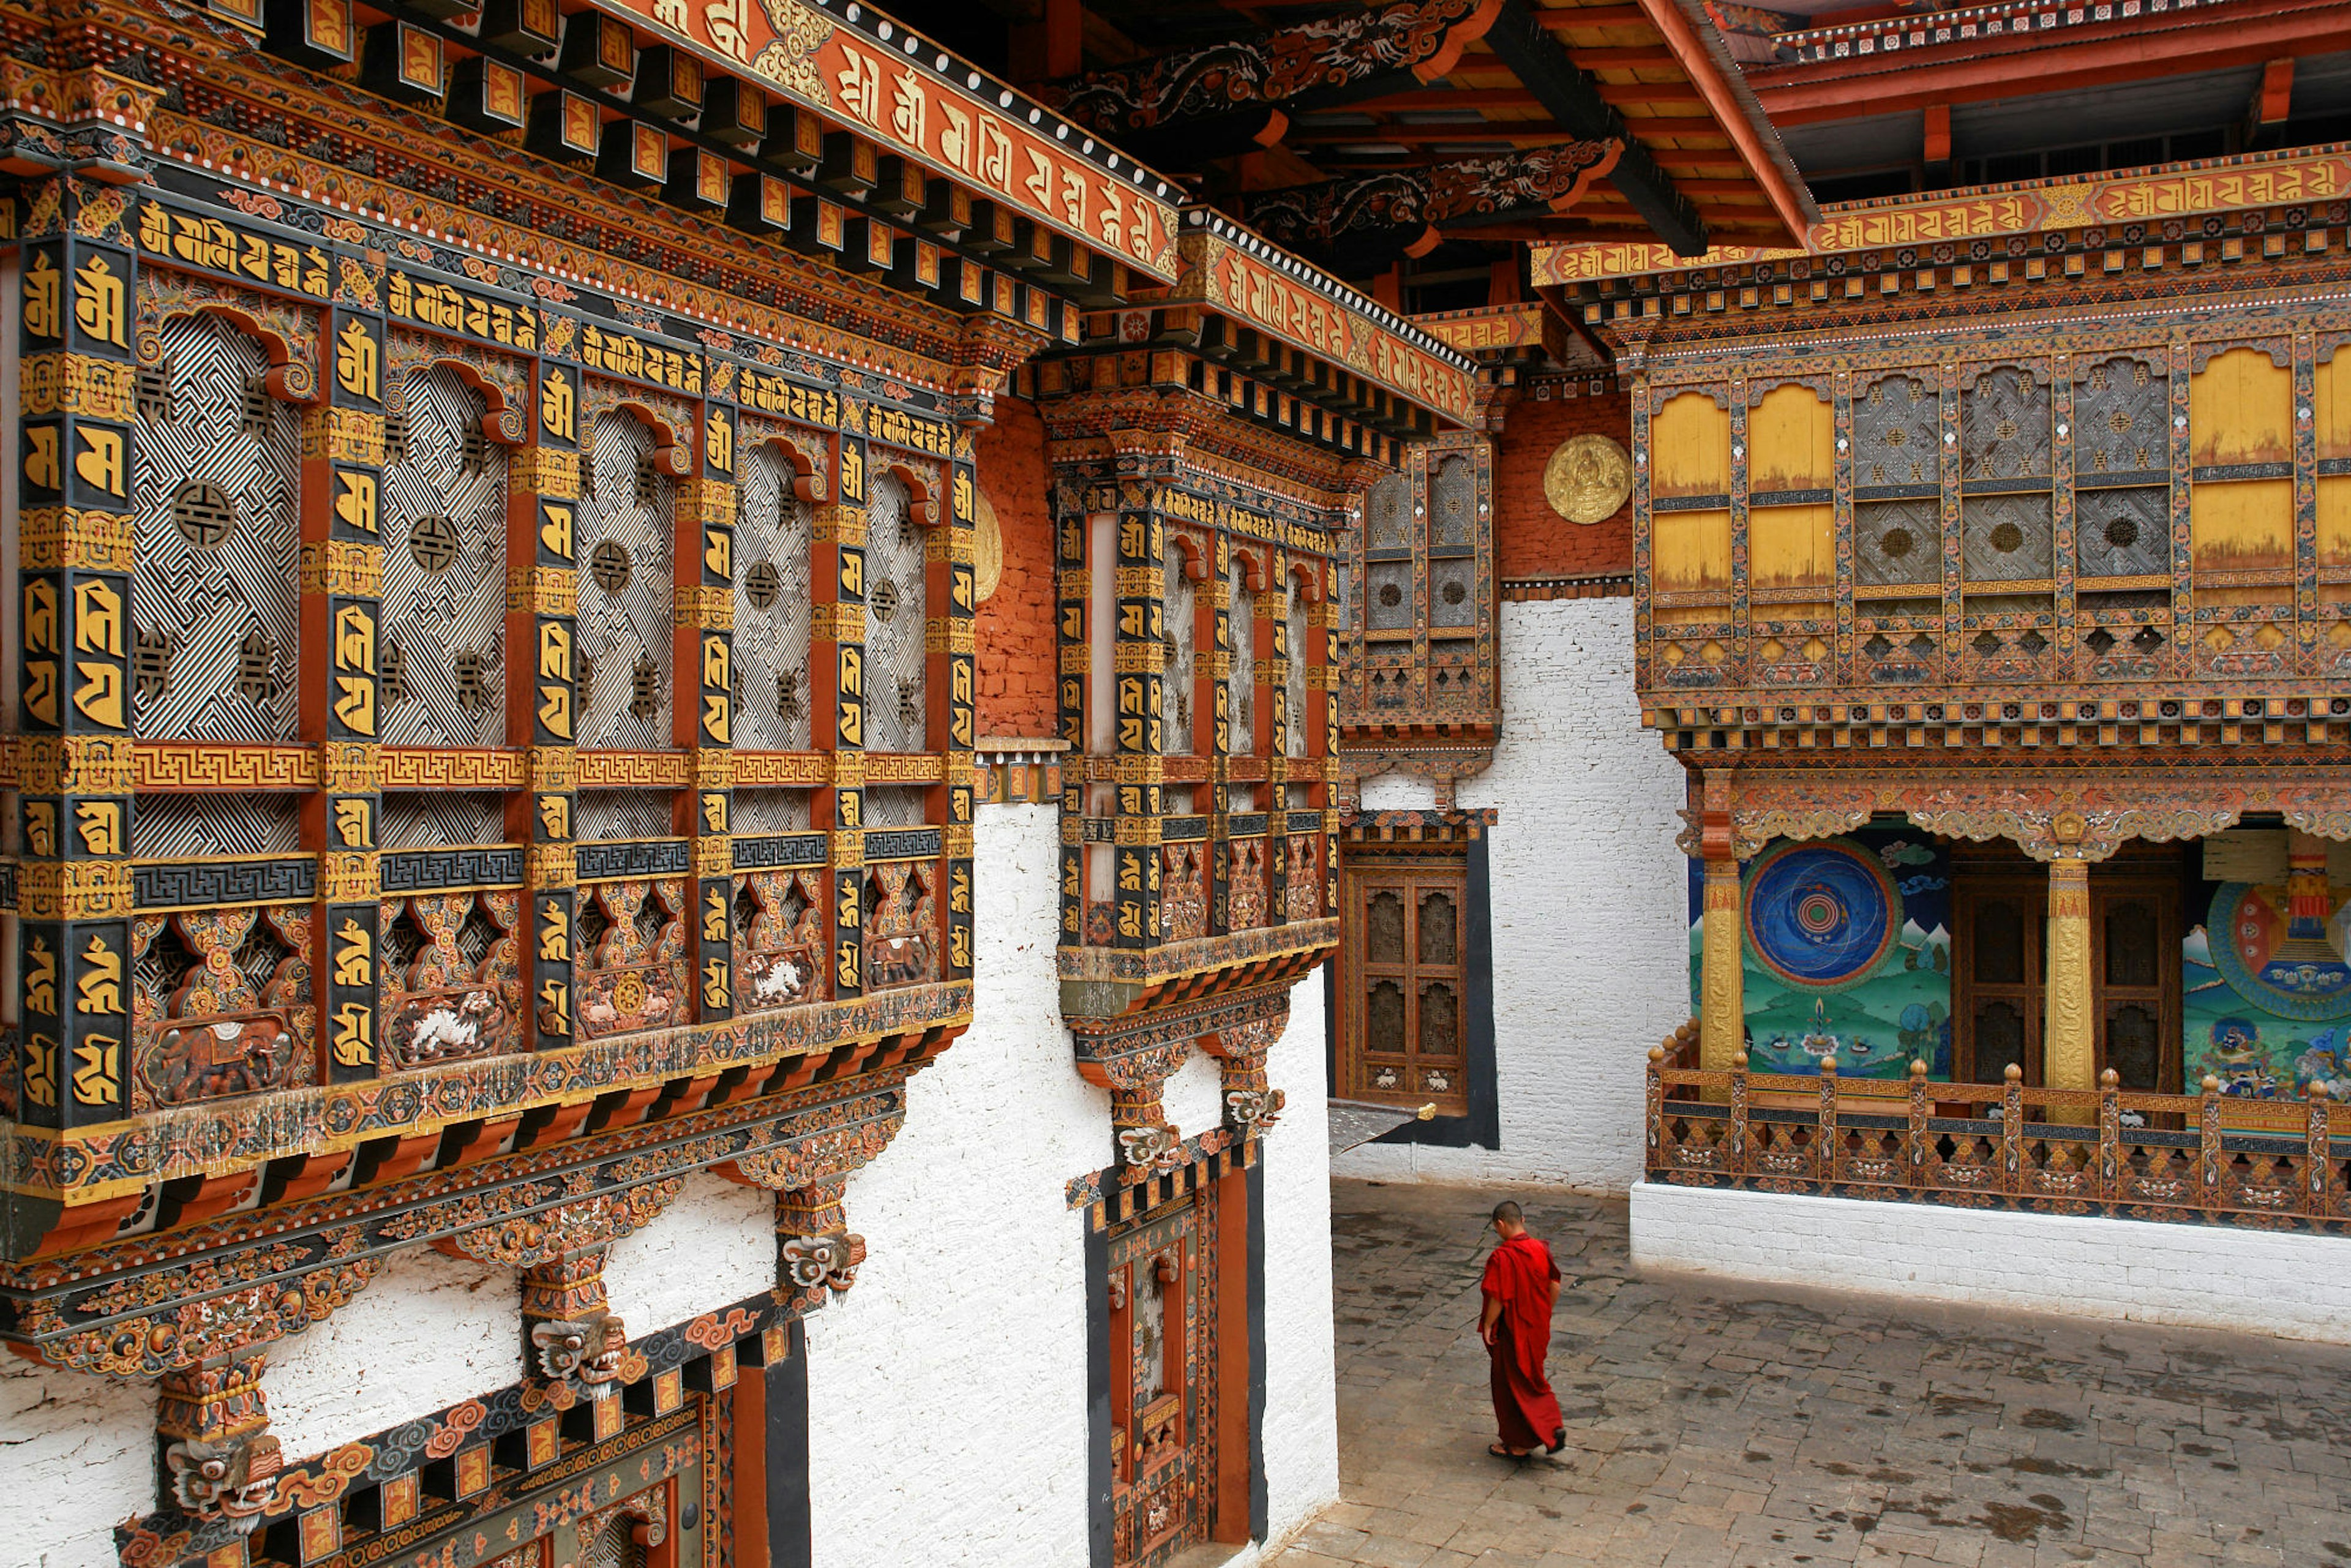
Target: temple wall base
{"x":2283,"y":1284}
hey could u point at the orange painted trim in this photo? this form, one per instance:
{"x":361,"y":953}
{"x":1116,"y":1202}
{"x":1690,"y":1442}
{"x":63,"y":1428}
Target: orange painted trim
{"x":1792,"y":207}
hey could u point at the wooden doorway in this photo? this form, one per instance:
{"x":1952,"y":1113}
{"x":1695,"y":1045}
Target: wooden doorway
{"x":1998,"y":923}
{"x":1162,"y":1382}
{"x":2135,"y":977}
{"x":1403,"y":1029}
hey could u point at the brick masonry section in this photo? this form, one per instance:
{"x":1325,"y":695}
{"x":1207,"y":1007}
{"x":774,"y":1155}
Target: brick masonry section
{"x":1015,"y":629}
{"x":2273,"y":1283}
{"x":1530,"y":540}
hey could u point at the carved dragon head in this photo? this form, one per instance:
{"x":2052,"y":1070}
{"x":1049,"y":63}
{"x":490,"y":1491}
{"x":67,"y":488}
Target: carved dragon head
{"x":584,"y":1351}
{"x":233,"y":1481}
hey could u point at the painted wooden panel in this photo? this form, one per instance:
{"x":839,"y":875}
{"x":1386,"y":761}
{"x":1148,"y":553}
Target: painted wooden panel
{"x":2333,"y":404}
{"x":1689,"y":448}
{"x":2243,"y":526}
{"x":2241,"y":409}
{"x":1790,"y":546}
{"x":1691,"y":551}
{"x":1791,"y":442}
{"x":2334,"y":522}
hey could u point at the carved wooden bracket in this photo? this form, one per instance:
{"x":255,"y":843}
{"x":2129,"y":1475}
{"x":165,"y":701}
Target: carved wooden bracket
{"x":1252,"y":1105}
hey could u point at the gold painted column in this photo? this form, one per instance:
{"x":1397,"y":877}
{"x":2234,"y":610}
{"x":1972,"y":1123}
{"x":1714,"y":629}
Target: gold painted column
{"x":1722,"y":986}
{"x":2069,"y":1054}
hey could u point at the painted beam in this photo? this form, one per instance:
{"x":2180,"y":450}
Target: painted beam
{"x":1228,"y":97}
{"x":1573,"y":100}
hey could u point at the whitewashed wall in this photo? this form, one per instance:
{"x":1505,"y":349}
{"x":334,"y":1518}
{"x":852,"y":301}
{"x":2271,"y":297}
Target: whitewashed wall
{"x":1591,"y":906}
{"x":2286,"y":1283}
{"x":963,"y":1346}
{"x":76,"y":1457}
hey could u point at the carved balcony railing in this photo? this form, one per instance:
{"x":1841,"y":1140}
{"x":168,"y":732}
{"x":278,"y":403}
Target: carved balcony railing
{"x":2106,"y":1151}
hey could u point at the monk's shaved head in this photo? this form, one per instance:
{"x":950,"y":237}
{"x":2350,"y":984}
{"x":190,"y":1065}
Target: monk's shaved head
{"x":1508,"y":1212}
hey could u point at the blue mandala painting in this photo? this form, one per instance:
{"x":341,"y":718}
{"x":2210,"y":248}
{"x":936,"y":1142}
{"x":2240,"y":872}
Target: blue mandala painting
{"x":1822,"y":916}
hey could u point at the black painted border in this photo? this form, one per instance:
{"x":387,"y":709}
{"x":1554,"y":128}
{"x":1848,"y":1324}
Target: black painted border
{"x":1098,"y":1522}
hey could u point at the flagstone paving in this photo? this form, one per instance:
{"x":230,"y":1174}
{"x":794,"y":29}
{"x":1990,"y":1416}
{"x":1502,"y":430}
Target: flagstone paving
{"x":1718,"y":1426}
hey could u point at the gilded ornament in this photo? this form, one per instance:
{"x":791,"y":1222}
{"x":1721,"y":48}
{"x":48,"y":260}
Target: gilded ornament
{"x":987,"y":546}
{"x":1588,"y":478}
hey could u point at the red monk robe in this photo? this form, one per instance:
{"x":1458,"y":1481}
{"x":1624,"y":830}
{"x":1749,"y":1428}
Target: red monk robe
{"x":1521,"y":1279}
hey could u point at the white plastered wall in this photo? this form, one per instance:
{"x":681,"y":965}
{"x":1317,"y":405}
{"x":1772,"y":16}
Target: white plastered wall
{"x":66,"y":1435}
{"x":1590,"y":906}
{"x":948,"y":1392}
{"x":2286,"y":1283}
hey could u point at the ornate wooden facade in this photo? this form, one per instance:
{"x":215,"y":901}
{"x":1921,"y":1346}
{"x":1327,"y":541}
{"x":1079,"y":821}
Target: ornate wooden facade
{"x":2013,"y":514}
{"x":494,"y":688}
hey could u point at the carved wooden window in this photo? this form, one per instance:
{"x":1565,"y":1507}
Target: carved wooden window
{"x":1391,"y":530}
{"x":2005,"y":436}
{"x":896,"y":602}
{"x":625,"y":610}
{"x":212,"y":590}
{"x":1402,"y":962}
{"x":772,"y":543}
{"x":1179,"y":638}
{"x":1295,"y":740}
{"x":1453,"y":607}
{"x":1898,"y":528}
{"x":2122,"y":497}
{"x":445,"y":525}
{"x":1242,"y":683}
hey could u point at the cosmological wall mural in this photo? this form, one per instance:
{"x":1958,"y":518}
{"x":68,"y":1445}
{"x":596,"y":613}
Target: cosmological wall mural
{"x":2266,"y":990}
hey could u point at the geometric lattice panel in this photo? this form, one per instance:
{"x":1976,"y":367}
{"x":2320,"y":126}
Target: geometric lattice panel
{"x":772,"y":608}
{"x":623,"y":529}
{"x":2120,"y":405}
{"x":444,"y":524}
{"x":895,"y":605}
{"x":2005,"y":537}
{"x":2123,"y":533}
{"x":604,"y":816}
{"x":429,"y":818}
{"x":1897,"y":542}
{"x":1177,"y":638}
{"x":2004,"y":425}
{"x":1240,"y":686}
{"x":1893,"y":434}
{"x":770,"y":811}
{"x":1293,"y":691}
{"x":894,"y":805}
{"x":213,"y":592}
{"x":1453,"y":503}
{"x":1388,"y":514}
{"x":192,"y":827}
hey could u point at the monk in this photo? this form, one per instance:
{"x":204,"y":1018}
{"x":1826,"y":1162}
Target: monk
{"x":1521,"y":1287}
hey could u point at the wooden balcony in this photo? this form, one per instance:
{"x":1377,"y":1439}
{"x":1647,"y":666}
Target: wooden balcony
{"x":2183,"y":1158}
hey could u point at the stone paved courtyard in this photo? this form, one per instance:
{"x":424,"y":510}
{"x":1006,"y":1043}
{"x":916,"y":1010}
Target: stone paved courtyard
{"x":1712,"y":1427}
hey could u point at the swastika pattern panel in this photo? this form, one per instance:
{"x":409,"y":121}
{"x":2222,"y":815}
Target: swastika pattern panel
{"x":895,"y":604}
{"x":1293,"y":690}
{"x":771,"y":608}
{"x":428,"y":818}
{"x":213,"y":593}
{"x":1241,"y":685}
{"x":894,"y":805}
{"x":608,"y":814}
{"x":770,"y":811}
{"x":444,"y":564}
{"x":184,"y":827}
{"x":624,"y":537}
{"x":1178,"y":634}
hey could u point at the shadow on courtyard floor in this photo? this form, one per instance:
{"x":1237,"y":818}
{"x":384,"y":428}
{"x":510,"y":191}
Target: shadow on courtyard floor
{"x":1712,"y":1427}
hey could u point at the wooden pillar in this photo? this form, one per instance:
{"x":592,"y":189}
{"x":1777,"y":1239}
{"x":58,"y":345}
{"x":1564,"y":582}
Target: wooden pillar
{"x":75,"y":532}
{"x":705,"y":641}
{"x":1722,"y":989}
{"x":2068,"y":1039}
{"x":542,"y":609}
{"x":955,"y":654}
{"x":837,"y":671}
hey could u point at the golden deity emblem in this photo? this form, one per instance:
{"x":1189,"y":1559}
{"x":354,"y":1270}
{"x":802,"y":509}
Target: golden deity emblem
{"x":1587,"y":478}
{"x":987,"y":547}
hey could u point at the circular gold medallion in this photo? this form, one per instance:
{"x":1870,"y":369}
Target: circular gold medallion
{"x":987,"y":546}
{"x":1587,"y":478}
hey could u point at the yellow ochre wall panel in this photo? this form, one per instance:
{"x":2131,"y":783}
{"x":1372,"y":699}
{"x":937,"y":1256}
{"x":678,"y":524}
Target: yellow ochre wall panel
{"x":1789,"y":547}
{"x":2333,"y":400}
{"x":1791,"y":442}
{"x":2241,"y":409}
{"x":2334,"y":522}
{"x":2243,"y":526}
{"x":1690,"y":550}
{"x":1689,"y":449}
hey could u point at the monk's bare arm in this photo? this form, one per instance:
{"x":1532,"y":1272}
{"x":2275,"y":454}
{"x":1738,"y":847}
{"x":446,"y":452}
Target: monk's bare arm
{"x":1487,"y":1319}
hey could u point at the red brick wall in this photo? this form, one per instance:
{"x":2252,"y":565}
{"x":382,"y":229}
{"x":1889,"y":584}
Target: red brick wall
{"x":1529,"y":538}
{"x":1015,"y":628}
